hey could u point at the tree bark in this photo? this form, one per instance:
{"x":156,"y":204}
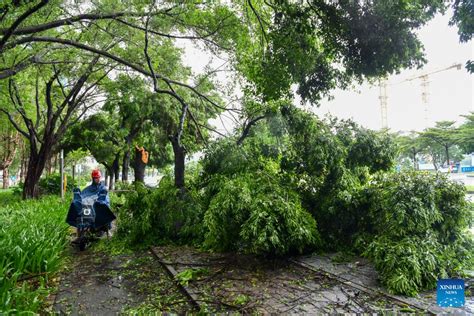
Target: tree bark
{"x":247,"y":127}
{"x":126,"y":155}
{"x":6,"y":180}
{"x":116,"y":168}
{"x":110,"y":176}
{"x":447,"y":154}
{"x":433,"y":157}
{"x":36,"y":165}
{"x":126,"y":165}
{"x":106,"y":178}
{"x":138,"y":166}
{"x":111,"y":181}
{"x":23,"y":167}
{"x":179,"y":166}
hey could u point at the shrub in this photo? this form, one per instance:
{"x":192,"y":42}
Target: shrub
{"x":420,"y":222}
{"x":159,"y":215}
{"x":409,"y":264}
{"x":51,"y":184}
{"x":329,"y":165}
{"x":256,"y":213}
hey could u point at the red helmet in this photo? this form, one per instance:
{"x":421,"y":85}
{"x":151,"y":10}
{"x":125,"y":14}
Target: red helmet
{"x":96,"y":173}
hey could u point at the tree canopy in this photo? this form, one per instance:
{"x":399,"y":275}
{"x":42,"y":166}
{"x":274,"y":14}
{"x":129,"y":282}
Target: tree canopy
{"x":71,"y":54}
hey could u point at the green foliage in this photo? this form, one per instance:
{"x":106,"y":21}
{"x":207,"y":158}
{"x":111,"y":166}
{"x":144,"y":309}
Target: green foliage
{"x":419,"y":230}
{"x":33,"y":236}
{"x":255,"y":213}
{"x":409,"y":264}
{"x":151,"y":216}
{"x":329,"y":164}
{"x":465,"y":134}
{"x":190,"y":274}
{"x":320,"y":45}
{"x":463,"y":18}
{"x":250,"y":205}
{"x":51,"y":184}
{"x":241,"y":299}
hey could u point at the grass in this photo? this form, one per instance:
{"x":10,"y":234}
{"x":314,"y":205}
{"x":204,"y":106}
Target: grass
{"x":33,"y":237}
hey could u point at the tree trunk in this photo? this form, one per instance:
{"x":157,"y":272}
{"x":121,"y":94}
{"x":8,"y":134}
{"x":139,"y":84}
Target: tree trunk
{"x":125,"y":165}
{"x":111,"y":181}
{"x":10,"y":146}
{"x":116,"y":168}
{"x":23,"y":167}
{"x":36,"y":165}
{"x":179,"y":159}
{"x":138,"y":166}
{"x":49,"y":166}
{"x":447,"y":153}
{"x":6,"y":180}
{"x":110,"y":176}
{"x":106,"y":178}
{"x":433,"y":156}
{"x":73,"y":172}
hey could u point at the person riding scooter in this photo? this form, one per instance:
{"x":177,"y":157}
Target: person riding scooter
{"x":95,"y":187}
{"x":90,"y":209}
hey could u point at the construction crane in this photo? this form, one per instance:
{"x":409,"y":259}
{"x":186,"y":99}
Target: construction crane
{"x":383,"y":97}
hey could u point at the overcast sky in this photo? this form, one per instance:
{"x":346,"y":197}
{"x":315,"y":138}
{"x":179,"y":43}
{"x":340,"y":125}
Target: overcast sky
{"x":450,"y":92}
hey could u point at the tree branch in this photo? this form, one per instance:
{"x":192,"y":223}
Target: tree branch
{"x":147,"y":56}
{"x":117,"y":59}
{"x":38,"y":111}
{"x":69,"y":21}
{"x":18,"y":104}
{"x":197,"y":126}
{"x":9,"y":32}
{"x":17,"y":127}
{"x":259,"y":20}
{"x":5,"y":73}
{"x":204,"y":37}
{"x":247,"y":129}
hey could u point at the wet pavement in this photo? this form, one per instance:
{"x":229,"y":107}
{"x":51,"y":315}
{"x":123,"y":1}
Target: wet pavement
{"x":247,"y":284}
{"x":93,"y":286}
{"x":361,"y":272}
{"x":98,"y":283}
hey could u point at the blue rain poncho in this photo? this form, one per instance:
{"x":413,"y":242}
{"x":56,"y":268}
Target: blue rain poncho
{"x":94,"y":197}
{"x":93,"y":192}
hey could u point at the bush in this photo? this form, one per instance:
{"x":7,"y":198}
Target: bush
{"x":329,"y":164}
{"x":409,"y":264}
{"x":160,"y":215}
{"x":254,"y":213}
{"x":51,"y":184}
{"x":420,"y":222}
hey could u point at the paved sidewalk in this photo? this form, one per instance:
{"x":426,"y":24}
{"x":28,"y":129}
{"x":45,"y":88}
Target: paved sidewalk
{"x":361,"y":272}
